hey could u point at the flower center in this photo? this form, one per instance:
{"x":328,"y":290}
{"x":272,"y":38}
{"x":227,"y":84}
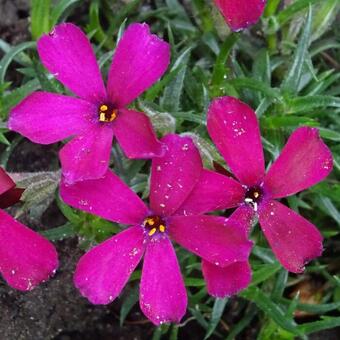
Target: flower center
{"x":254,"y":196}
{"x":154,"y":224}
{"x":107,"y":113}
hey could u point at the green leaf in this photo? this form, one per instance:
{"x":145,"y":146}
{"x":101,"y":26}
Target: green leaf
{"x":308,"y":103}
{"x":296,"y":6}
{"x":264,"y":272}
{"x":60,"y":233}
{"x":293,"y":78}
{"x":40,"y":17}
{"x":130,"y":300}
{"x":10,"y":55}
{"x":172,"y":93}
{"x":60,"y":8}
{"x":256,"y":85}
{"x":324,"y":17}
{"x":220,"y":68}
{"x":14,"y":97}
{"x":216,"y":315}
{"x":316,"y":326}
{"x":272,"y":310}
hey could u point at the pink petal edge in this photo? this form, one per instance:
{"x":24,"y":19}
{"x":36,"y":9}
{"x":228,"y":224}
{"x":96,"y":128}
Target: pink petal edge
{"x":163,"y":296}
{"x":103,"y":271}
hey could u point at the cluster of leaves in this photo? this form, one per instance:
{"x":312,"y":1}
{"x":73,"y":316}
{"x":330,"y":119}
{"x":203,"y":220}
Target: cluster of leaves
{"x":286,"y":68}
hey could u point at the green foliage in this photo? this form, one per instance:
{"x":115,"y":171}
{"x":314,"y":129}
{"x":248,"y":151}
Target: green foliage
{"x":286,"y":68}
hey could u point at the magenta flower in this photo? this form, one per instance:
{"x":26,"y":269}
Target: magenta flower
{"x":240,"y":14}
{"x":26,"y":258}
{"x":304,"y":161}
{"x":98,"y":114}
{"x":102,"y":273}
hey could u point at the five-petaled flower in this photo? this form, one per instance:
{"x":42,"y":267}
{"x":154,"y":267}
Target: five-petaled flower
{"x":240,"y":14}
{"x":26,"y":258}
{"x":102,"y":273}
{"x":304,"y":161}
{"x":99,"y":114}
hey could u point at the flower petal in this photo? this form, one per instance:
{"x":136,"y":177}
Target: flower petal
{"x":67,"y":53}
{"x":87,"y":156}
{"x":227,"y":281}
{"x":304,"y":161}
{"x":136,"y":136}
{"x":6,"y":182}
{"x":108,"y":197}
{"x":163,"y":296}
{"x":294,"y":240}
{"x":47,"y":118}
{"x":234,"y":128}
{"x":215,"y":239}
{"x":140,"y":59}
{"x":174,"y":175}
{"x":243,"y":216}
{"x":26,"y":258}
{"x":240,"y":14}
{"x":103,"y":271}
{"x":212,"y":192}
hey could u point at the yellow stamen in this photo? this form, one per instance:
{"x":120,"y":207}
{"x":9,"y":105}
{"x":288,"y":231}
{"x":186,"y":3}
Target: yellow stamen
{"x":152,"y":231}
{"x":162,"y":228}
{"x":150,"y":221}
{"x":256,"y":194}
{"x":113,"y":116}
{"x":103,"y":108}
{"x":102,"y":117}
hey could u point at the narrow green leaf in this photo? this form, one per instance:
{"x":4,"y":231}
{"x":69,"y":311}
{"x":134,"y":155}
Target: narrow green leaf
{"x":59,"y":233}
{"x":128,"y":304}
{"x":40,"y":17}
{"x":10,"y":55}
{"x":295,"y":7}
{"x":60,"y":8}
{"x":326,"y":323}
{"x":272,"y":310}
{"x":216,"y":315}
{"x":292,"y":80}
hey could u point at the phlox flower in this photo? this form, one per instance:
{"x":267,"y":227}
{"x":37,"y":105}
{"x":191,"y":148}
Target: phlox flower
{"x":240,"y":14}
{"x":98,"y":114}
{"x":26,"y":258}
{"x":102,"y":272}
{"x":304,"y":161}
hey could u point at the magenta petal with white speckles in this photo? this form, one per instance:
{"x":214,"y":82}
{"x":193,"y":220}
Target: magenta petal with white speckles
{"x":87,"y":156}
{"x":104,"y":270}
{"x":213,"y":238}
{"x":304,"y":161}
{"x":108,"y":197}
{"x":227,"y":281}
{"x":174,"y":175}
{"x":67,"y":53}
{"x":46,"y":118}
{"x":234,"y":128}
{"x":240,"y":14}
{"x":212,"y":192}
{"x":26,"y":258}
{"x":140,"y":59}
{"x":293,"y":239}
{"x":136,"y":136}
{"x":163,"y":297}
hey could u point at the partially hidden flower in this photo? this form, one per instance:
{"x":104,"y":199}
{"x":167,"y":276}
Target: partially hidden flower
{"x":26,"y":258}
{"x":98,"y":114}
{"x":304,"y":161}
{"x":102,"y":272}
{"x":240,"y":14}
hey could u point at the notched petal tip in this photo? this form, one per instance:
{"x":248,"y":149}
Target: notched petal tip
{"x":240,"y":14}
